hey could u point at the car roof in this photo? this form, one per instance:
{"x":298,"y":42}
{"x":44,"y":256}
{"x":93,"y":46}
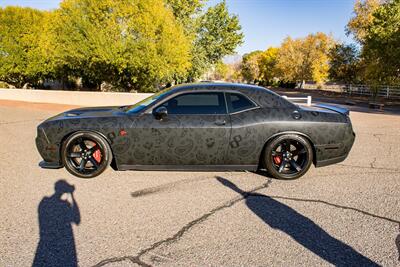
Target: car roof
{"x":217,"y":85}
{"x":262,"y":96}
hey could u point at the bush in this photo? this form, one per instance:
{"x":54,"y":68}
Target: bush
{"x":4,"y":85}
{"x":290,"y":85}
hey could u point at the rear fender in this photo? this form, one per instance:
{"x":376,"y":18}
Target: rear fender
{"x":289,"y":132}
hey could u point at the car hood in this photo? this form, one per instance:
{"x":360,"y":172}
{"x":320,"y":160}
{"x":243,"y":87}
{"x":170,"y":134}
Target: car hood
{"x":89,"y":112}
{"x":93,"y":111}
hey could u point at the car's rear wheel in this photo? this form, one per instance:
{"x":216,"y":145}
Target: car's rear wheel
{"x":86,"y":154}
{"x":288,"y":156}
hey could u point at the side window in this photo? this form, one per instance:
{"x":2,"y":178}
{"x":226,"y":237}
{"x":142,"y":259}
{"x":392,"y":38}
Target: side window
{"x":238,"y":102}
{"x":197,"y":103}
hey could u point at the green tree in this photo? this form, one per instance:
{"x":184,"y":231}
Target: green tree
{"x":363,"y":18}
{"x":22,"y":58}
{"x":218,"y":34}
{"x":185,"y":11}
{"x":381,"y":50}
{"x":214,"y":33}
{"x":344,"y":63}
{"x":133,"y":44}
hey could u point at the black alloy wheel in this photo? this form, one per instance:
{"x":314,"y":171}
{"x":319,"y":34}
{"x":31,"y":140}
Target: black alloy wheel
{"x":288,"y":156}
{"x":86,"y":154}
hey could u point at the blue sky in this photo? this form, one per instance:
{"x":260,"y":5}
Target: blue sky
{"x":267,"y":22}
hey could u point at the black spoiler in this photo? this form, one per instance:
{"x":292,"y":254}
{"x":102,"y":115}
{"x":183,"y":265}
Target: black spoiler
{"x":334,"y":108}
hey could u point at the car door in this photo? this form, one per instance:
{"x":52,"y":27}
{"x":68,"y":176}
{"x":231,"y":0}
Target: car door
{"x":245,"y":142}
{"x":196,"y":131}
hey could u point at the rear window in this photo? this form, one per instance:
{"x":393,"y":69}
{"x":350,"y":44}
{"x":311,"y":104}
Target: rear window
{"x":238,"y":102}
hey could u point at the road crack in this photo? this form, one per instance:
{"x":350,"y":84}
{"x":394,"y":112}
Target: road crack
{"x":174,"y":238}
{"x":373,"y":163}
{"x":246,"y":194}
{"x":369,"y":167}
{"x":378,"y":136}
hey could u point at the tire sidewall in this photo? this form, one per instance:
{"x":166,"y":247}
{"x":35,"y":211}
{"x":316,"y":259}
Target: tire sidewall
{"x":99,"y":140}
{"x":268,"y":156}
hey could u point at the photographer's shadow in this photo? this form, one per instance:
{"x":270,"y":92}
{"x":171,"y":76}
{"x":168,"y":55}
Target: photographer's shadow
{"x":300,"y":228}
{"x":57,"y":245}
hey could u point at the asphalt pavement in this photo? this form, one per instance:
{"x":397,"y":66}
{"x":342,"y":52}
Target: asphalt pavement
{"x":345,"y":214}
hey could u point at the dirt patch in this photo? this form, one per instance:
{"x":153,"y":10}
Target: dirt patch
{"x":37,"y":106}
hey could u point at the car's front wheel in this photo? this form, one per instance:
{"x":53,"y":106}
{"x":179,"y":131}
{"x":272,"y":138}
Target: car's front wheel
{"x":86,"y":154}
{"x":288,"y":156}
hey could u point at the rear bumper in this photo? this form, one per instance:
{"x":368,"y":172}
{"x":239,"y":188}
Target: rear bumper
{"x":50,"y":165}
{"x":334,"y":153}
{"x":323,"y":163}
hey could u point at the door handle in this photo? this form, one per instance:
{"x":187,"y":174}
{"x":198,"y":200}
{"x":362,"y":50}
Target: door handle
{"x":220,"y":122}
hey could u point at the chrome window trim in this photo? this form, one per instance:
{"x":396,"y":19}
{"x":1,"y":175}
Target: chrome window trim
{"x":244,"y":110}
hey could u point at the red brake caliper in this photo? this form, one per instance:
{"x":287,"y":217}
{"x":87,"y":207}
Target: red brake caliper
{"x":277,"y":160}
{"x":97,"y":155}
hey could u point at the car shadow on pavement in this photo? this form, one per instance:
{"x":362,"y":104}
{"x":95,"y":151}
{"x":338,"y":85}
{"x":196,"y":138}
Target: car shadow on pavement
{"x":56,"y":246}
{"x":300,"y":228}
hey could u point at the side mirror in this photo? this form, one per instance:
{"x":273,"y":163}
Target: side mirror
{"x":160,"y":113}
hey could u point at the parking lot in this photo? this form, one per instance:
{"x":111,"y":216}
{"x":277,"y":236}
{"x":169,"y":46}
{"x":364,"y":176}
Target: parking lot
{"x":343,"y":214}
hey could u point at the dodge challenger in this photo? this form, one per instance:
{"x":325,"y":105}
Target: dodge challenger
{"x":201,"y":126}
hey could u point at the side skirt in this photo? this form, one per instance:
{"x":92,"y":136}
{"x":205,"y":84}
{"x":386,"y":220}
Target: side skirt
{"x":50,"y":165}
{"x":188,"y":167}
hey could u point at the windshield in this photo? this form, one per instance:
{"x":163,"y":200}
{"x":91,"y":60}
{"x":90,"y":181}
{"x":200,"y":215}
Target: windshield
{"x":135,"y":108}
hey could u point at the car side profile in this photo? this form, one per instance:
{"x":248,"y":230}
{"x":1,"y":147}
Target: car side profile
{"x":201,"y":126}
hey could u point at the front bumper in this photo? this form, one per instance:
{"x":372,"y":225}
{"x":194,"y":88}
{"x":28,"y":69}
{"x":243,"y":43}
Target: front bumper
{"x":49,"y":152}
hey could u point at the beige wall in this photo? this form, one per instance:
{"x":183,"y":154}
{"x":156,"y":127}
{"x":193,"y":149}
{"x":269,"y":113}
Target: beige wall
{"x":72,"y":97}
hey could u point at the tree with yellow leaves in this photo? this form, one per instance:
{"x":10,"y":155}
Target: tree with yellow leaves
{"x":23,"y":58}
{"x":363,"y":18}
{"x":135,"y":44}
{"x":304,"y":59}
{"x":267,"y":64}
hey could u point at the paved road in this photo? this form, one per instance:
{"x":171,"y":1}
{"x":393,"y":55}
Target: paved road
{"x":342,"y":214}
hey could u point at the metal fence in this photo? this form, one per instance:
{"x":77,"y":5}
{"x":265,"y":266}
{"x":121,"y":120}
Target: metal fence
{"x":389,"y":92}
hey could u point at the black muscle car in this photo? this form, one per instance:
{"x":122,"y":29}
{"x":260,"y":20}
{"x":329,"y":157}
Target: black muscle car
{"x":204,"y":126}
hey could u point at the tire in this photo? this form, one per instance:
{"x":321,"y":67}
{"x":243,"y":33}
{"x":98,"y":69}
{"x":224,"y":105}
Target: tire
{"x":288,"y":162}
{"x":86,"y":154}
